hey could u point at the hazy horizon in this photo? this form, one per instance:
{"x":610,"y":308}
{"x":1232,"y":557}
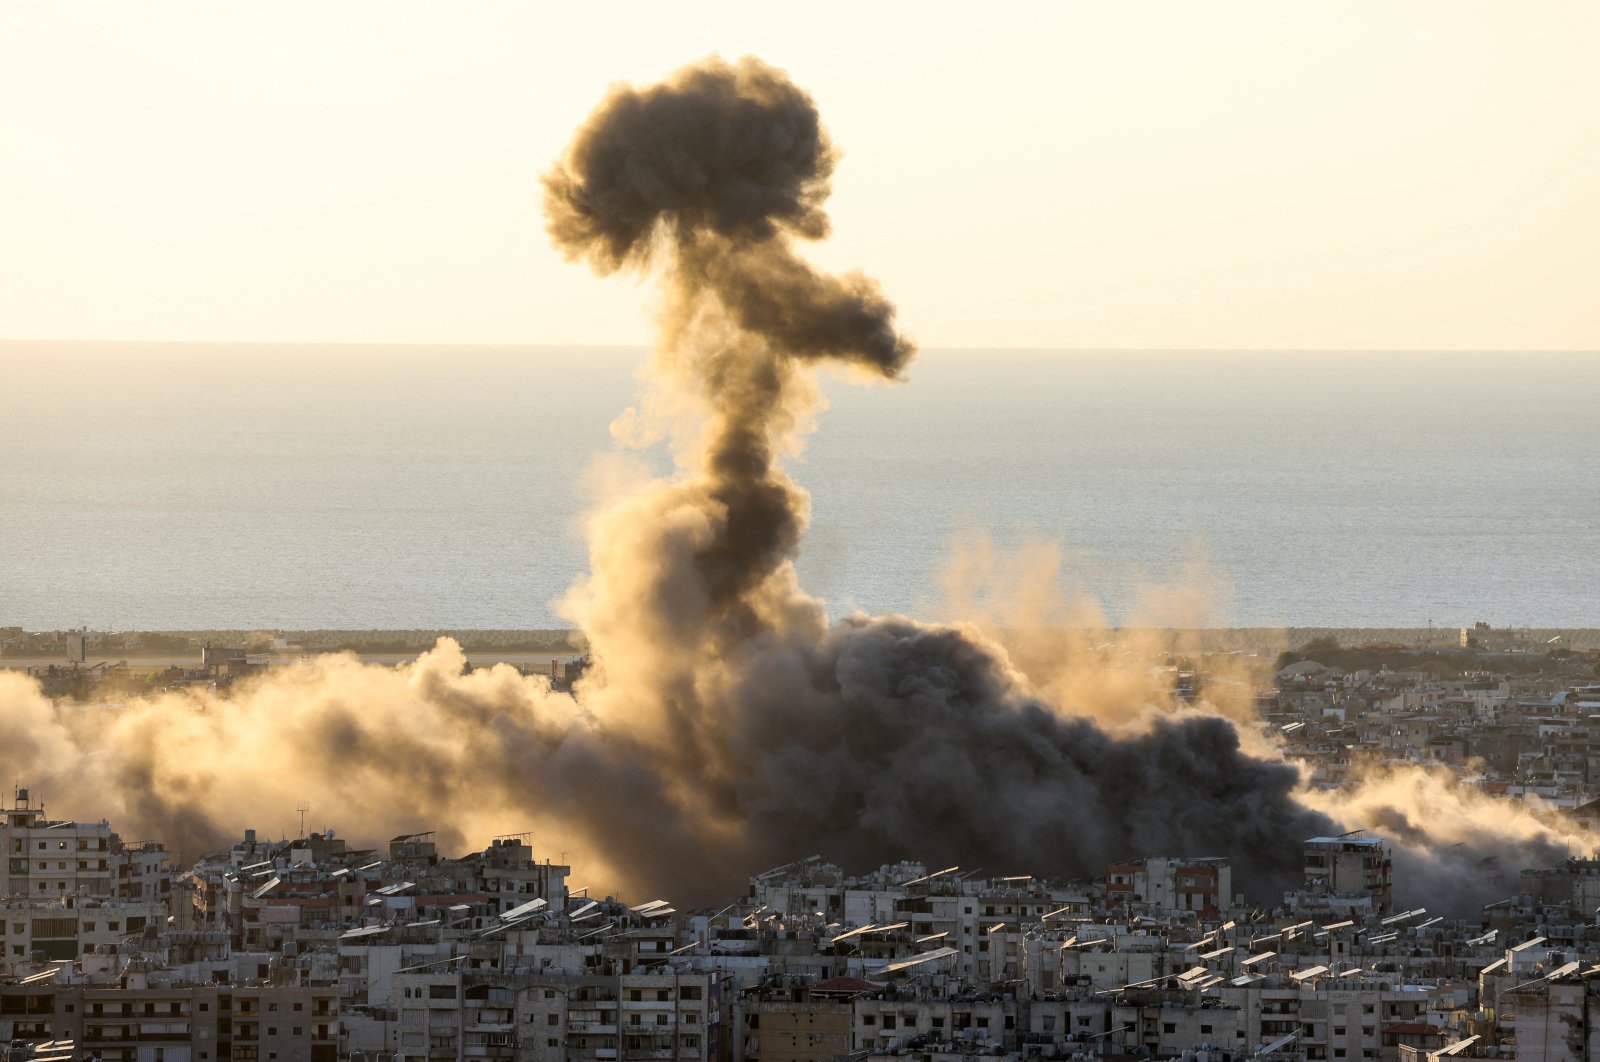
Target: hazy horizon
{"x":419,"y":488}
{"x":1253,"y":314}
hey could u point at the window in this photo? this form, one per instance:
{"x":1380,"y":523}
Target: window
{"x":661,"y":1019}
{"x":661,"y":995}
{"x":553,"y":1020}
{"x":1169,"y":1027}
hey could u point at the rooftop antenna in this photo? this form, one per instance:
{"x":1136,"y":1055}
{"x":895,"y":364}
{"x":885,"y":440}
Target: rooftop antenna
{"x":302,"y":808}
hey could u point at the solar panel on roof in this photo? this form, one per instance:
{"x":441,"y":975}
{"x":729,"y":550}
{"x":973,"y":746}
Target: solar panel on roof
{"x":525,"y":909}
{"x":917,"y":960}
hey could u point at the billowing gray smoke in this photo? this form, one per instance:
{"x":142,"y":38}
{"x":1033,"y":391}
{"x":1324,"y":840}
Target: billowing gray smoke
{"x":872,"y":739}
{"x":727,"y":725}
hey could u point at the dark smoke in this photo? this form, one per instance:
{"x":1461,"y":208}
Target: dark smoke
{"x":892,"y":739}
{"x":727,"y":726}
{"x":711,"y":174}
{"x":875,"y":739}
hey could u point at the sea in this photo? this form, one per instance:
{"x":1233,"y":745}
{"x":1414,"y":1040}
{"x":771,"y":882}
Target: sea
{"x":213,"y":486}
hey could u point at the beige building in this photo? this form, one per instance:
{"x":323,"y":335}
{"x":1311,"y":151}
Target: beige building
{"x":176,"y":1023}
{"x":48,"y":859}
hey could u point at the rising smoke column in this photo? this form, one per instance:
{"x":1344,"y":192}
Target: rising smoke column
{"x":708,"y":179}
{"x":728,"y":726}
{"x":876,"y":738}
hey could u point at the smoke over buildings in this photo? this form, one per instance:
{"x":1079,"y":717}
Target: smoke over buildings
{"x":726,"y":724}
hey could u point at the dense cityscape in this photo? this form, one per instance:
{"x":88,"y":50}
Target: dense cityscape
{"x":956,"y":758}
{"x":312,"y":948}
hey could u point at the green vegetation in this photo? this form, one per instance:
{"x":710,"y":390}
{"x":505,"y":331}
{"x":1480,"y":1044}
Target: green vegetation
{"x":1443,"y":663}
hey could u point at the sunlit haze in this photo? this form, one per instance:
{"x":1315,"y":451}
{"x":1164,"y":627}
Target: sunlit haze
{"x":963,"y":528}
{"x":1166,"y":175}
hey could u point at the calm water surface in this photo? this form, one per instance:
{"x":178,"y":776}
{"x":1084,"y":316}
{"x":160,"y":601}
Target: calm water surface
{"x":307,"y":487}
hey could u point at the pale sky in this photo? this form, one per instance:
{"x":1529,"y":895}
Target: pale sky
{"x":1225,"y":174}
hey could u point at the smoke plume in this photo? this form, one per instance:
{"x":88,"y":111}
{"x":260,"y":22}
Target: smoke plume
{"x":726,"y":725}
